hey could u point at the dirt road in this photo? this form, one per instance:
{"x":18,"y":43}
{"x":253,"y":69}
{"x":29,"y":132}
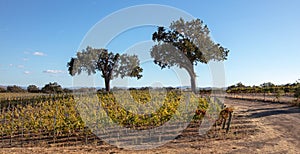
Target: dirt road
{"x":257,"y":127}
{"x":279,"y":126}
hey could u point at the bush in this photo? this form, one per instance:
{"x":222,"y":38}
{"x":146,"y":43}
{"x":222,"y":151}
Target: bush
{"x":297,"y":93}
{"x":52,"y":88}
{"x":279,"y":93}
{"x":15,"y":89}
{"x":2,"y":90}
{"x":33,"y":89}
{"x":66,"y":90}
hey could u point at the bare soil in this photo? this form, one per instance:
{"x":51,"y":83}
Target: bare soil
{"x":257,"y":127}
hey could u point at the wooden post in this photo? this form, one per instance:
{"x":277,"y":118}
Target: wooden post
{"x":3,"y":123}
{"x":11,"y":123}
{"x":86,"y":135}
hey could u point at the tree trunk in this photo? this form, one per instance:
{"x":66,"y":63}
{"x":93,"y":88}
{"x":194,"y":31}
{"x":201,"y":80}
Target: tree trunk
{"x":193,"y":82}
{"x":190,"y":70}
{"x":107,"y":85}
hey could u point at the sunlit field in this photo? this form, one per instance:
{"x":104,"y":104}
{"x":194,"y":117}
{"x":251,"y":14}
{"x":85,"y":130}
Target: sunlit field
{"x":28,"y":119}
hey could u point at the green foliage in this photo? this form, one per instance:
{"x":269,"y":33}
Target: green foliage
{"x":237,"y":88}
{"x":297,"y":93}
{"x":267,"y":84}
{"x":240,"y":85}
{"x":268,"y":88}
{"x":192,"y":38}
{"x":33,"y":89}
{"x":15,"y":89}
{"x":184,"y":45}
{"x":90,"y":60}
{"x":66,"y":90}
{"x":279,"y":93}
{"x":52,"y":88}
{"x":109,"y":64}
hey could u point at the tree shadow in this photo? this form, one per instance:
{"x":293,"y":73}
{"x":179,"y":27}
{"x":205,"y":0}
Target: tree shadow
{"x":277,"y":111}
{"x":273,"y":108}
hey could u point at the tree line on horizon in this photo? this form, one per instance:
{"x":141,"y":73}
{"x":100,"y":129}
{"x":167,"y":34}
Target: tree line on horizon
{"x":50,"y":88}
{"x":267,"y":88}
{"x":239,"y":88}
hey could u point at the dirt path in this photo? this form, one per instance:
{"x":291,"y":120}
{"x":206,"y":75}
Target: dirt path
{"x":257,"y":127}
{"x":278,"y":125}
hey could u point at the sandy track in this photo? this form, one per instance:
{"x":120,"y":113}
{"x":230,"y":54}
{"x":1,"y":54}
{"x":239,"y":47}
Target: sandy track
{"x":279,"y":125}
{"x":257,"y":127}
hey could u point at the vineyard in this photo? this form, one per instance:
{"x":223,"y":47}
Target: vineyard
{"x":77,"y":119}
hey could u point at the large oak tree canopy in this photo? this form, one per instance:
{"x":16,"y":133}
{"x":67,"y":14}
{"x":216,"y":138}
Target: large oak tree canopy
{"x":185,"y":44}
{"x":109,"y":64}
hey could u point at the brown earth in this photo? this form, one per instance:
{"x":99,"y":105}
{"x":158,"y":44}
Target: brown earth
{"x":257,"y":127}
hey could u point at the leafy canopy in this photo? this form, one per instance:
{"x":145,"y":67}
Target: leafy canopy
{"x":109,"y":64}
{"x":189,"y":38}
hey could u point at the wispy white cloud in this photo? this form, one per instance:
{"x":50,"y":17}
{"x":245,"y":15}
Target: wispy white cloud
{"x":54,"y":71}
{"x":27,"y":72}
{"x":10,"y":65}
{"x":25,"y":59}
{"x":39,"y":54}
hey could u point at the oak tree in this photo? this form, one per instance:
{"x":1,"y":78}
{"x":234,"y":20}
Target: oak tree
{"x":109,"y":64}
{"x":185,"y":44}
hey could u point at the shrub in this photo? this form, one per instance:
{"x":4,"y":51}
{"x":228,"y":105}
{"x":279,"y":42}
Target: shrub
{"x":15,"y":89}
{"x":52,"y":88}
{"x":2,"y":90}
{"x":33,"y":89}
{"x":297,"y":93}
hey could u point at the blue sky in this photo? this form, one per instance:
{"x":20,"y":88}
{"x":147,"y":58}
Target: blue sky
{"x":38,"y":38}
